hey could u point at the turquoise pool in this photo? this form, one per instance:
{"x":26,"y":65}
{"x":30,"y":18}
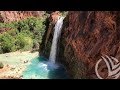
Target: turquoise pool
{"x":41,"y":68}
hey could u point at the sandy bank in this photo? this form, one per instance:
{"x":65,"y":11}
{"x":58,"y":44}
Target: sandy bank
{"x":15,"y":63}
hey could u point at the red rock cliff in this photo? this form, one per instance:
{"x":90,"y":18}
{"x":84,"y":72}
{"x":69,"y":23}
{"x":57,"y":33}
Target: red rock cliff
{"x":86,"y":36}
{"x":9,"y":16}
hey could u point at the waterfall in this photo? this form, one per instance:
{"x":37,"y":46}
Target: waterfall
{"x":57,"y":32}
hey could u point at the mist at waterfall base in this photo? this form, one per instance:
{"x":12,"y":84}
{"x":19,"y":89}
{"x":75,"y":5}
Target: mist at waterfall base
{"x":42,"y":68}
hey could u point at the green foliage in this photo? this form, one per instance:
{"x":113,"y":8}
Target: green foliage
{"x":23,"y":42}
{"x":22,"y":25}
{"x":34,"y":25}
{"x":37,"y":27}
{"x":8,"y":25}
{"x":13,"y":32}
{"x":1,"y":65}
{"x":64,"y":13}
{"x":7,"y":43}
{"x":24,"y":35}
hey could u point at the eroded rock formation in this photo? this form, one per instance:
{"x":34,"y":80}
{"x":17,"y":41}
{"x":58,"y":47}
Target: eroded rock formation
{"x":9,"y":16}
{"x":86,"y":36}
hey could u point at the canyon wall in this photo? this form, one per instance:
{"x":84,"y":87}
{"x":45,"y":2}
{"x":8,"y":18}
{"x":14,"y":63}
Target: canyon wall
{"x":86,"y":36}
{"x":9,"y":16}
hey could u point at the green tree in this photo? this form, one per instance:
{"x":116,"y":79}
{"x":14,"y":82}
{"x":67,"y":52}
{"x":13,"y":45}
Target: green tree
{"x":7,"y":43}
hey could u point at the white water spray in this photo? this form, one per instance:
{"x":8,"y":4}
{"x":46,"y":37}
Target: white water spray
{"x":57,"y":32}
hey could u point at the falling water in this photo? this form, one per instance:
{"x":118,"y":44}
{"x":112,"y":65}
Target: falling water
{"x":43,"y":69}
{"x":57,"y":32}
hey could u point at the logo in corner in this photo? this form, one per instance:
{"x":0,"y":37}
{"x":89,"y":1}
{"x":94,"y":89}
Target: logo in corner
{"x":113,"y":69}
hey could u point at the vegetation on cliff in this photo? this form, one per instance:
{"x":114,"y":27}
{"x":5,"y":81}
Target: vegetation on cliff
{"x":23,"y":35}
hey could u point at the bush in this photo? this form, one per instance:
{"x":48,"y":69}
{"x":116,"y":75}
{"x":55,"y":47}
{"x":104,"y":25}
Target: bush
{"x":24,"y":35}
{"x":39,"y":30}
{"x":23,"y":42}
{"x":1,"y":49}
{"x":34,"y":25}
{"x":29,"y":43}
{"x":7,"y":43}
{"x":22,"y":25}
{"x":8,"y":25}
{"x":35,"y":45}
{"x":13,"y":32}
{"x":1,"y":65}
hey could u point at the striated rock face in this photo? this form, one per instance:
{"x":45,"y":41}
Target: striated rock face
{"x":86,"y":36}
{"x":9,"y":16}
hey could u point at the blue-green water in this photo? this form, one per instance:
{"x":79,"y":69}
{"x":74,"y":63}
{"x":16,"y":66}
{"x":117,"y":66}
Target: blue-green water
{"x":40,"y":68}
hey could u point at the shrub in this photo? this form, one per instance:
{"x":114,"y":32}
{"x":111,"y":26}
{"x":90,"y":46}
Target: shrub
{"x":35,"y":44}
{"x":13,"y":32}
{"x":27,"y":33}
{"x":29,"y":43}
{"x":33,"y":25}
{"x":39,"y":29}
{"x":1,"y":65}
{"x":1,"y":49}
{"x":7,"y":43}
{"x":22,"y":25}
{"x":24,"y":35}
{"x":8,"y":25}
{"x":23,"y":42}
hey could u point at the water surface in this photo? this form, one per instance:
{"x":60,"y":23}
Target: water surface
{"x":40,"y":68}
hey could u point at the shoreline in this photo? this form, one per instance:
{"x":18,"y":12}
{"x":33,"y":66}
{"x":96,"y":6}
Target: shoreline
{"x":15,"y":63}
